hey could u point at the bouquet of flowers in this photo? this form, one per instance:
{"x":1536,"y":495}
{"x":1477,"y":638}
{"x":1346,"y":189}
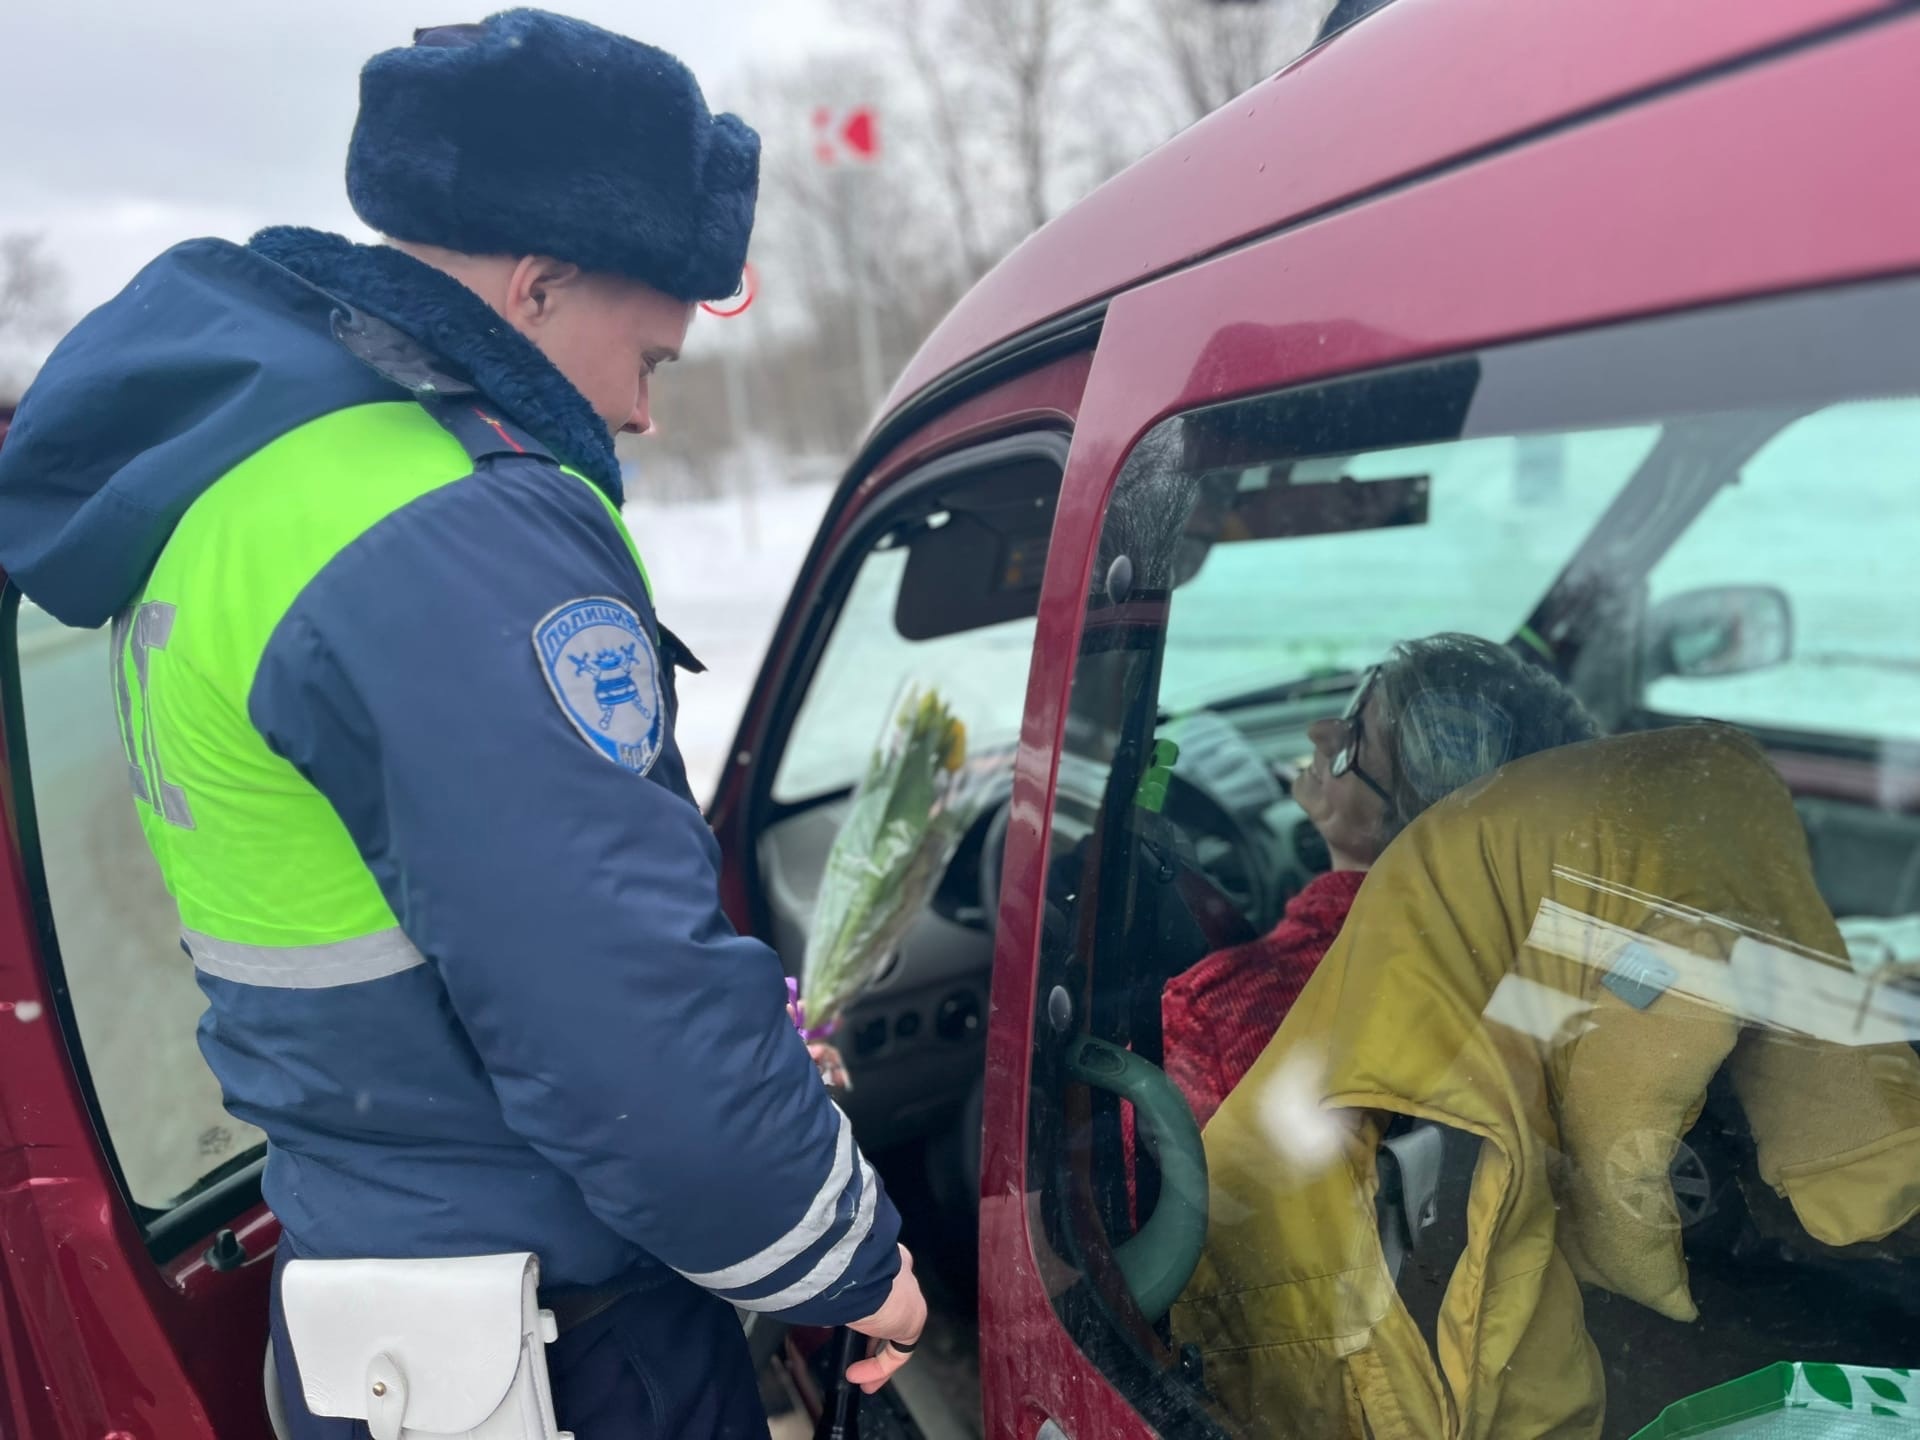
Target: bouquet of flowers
{"x":908,"y":817}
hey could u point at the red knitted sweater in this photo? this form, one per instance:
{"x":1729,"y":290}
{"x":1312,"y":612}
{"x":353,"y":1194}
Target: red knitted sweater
{"x":1218,"y":1016}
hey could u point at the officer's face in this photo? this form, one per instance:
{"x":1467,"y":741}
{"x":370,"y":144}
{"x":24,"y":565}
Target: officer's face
{"x":605,"y":334}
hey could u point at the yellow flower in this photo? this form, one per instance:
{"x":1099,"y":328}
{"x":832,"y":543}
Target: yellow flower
{"x":954,"y":754}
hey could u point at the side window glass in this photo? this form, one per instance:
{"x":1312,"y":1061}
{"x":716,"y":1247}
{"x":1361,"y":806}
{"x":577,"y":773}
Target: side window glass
{"x":867,"y":660}
{"x":1810,"y":558}
{"x":947,"y":592}
{"x":132,"y":991}
{"x":1447,"y":1021}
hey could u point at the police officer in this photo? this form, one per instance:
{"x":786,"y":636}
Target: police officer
{"x":398,"y":720}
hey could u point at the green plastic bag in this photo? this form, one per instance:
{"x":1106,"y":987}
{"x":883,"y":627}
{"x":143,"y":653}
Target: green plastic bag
{"x":1792,"y":1401}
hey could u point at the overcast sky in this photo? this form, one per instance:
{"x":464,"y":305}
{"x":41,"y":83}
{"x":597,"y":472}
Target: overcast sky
{"x":126,"y":125}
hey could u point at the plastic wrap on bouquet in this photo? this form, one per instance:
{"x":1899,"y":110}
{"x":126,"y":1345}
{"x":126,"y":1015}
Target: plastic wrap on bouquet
{"x":907,"y":819}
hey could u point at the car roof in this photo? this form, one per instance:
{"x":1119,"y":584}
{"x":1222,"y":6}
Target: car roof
{"x":1412,"y":89}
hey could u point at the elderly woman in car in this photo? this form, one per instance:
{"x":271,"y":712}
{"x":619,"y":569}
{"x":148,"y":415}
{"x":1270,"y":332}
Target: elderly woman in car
{"x":1434,"y":715}
{"x":1553,"y":966}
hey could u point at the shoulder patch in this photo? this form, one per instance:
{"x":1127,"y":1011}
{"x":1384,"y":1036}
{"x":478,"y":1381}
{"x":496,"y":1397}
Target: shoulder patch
{"x":605,"y":674}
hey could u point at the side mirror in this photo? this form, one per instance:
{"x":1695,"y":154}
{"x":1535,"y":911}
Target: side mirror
{"x":1722,"y":630}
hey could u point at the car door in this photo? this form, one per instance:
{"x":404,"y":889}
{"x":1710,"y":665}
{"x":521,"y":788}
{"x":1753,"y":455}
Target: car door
{"x":1288,"y":459}
{"x":137,"y":1251}
{"x":926,"y":570}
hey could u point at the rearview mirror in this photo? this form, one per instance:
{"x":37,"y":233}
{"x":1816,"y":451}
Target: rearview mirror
{"x":1274,"y":502}
{"x":1722,"y":630}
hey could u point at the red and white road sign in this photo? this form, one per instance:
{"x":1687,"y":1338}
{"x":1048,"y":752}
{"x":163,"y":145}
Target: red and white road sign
{"x":849,"y":134}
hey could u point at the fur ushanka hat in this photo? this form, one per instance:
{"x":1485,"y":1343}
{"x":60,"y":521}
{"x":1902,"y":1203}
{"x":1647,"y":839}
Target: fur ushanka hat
{"x":534,"y":134}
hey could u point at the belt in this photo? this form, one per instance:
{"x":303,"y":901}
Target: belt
{"x":573,"y":1308}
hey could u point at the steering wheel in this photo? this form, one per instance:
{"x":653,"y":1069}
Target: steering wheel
{"x":1235,"y":871}
{"x":1229,"y":857}
{"x":993,"y":856}
{"x":1159,"y":1259}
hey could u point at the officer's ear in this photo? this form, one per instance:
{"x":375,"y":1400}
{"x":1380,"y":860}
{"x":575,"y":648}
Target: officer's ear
{"x":536,"y":285}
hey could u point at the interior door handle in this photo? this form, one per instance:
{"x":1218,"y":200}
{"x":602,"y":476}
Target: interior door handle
{"x":1157,"y":1262}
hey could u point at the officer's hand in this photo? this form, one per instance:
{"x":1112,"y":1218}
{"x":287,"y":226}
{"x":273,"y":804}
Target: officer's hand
{"x":833,"y":1069}
{"x":901,"y":1319}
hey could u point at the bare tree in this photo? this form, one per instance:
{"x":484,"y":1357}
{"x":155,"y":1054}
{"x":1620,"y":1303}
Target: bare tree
{"x":856,"y":264}
{"x":914,"y":30}
{"x":32,"y":289}
{"x":1002,"y":86}
{"x":994,"y":116}
{"x":864,"y":252}
{"x":1217,"y":49}
{"x":1019,"y":40}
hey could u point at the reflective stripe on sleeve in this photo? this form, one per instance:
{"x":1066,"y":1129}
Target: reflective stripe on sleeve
{"x":833,"y":1265}
{"x":305,"y":967}
{"x":813,"y":1225}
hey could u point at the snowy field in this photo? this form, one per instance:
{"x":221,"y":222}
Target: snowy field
{"x":721,"y":572}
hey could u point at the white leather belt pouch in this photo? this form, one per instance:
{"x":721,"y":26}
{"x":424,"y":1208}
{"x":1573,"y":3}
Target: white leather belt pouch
{"x":424,"y":1349}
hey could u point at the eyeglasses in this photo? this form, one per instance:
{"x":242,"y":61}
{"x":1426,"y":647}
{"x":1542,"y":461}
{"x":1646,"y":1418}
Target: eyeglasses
{"x":1347,"y":758}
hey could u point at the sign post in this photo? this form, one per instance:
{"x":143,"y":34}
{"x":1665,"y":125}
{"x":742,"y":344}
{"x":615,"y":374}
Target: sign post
{"x":852,"y":136}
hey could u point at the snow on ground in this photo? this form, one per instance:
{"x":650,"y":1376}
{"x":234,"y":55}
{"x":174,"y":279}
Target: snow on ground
{"x":721,"y":571}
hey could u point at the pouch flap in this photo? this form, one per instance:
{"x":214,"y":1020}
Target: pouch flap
{"x":454,"y":1328}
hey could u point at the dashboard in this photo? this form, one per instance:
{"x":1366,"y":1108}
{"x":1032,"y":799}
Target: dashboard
{"x":915,"y":1043}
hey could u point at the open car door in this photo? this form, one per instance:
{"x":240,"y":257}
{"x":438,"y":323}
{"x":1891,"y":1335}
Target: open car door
{"x":133,"y":1278}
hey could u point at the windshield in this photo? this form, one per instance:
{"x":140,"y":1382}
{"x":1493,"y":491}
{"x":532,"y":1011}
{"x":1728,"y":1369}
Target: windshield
{"x":1505,"y":515}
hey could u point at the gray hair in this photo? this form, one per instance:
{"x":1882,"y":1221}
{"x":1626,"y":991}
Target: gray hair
{"x":1459,"y":707}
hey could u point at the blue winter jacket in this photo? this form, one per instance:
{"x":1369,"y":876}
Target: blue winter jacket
{"x":399,"y":723}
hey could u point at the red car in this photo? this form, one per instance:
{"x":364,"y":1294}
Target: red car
{"x":1593,"y":328}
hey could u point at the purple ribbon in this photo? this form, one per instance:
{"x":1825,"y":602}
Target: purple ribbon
{"x":797,"y":1012}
